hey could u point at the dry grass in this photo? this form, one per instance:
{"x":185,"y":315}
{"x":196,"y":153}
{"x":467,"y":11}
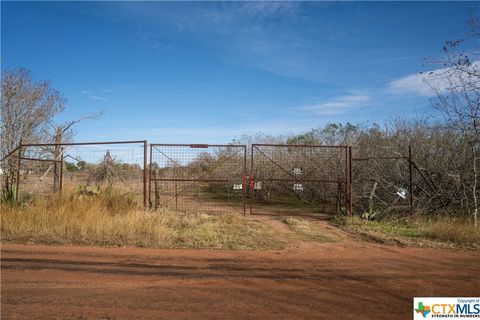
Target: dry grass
{"x":458,"y":231}
{"x":112,"y":219}
{"x":308,"y":230}
{"x":438,"y":232}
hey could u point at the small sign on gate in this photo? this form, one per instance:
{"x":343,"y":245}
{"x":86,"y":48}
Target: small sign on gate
{"x":258,"y":185}
{"x":402,"y":193}
{"x":298,"y":187}
{"x":237,"y":186}
{"x":297,"y":171}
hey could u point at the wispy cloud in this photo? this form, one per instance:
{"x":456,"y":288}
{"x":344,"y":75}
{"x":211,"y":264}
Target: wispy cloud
{"x":421,"y":83}
{"x":98,"y":98}
{"x":339,"y":105}
{"x":109,"y":90}
{"x":116,"y":88}
{"x":248,"y":33}
{"x":414,"y":83}
{"x":208,"y":16}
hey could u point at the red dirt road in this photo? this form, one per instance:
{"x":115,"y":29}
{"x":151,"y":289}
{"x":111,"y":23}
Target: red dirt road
{"x":350,"y":279}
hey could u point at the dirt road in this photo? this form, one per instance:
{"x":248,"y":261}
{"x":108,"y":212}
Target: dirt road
{"x":350,"y":279}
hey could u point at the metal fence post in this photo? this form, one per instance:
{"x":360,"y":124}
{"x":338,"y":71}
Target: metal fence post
{"x":19,"y":160}
{"x":157,"y":196}
{"x":57,"y":154}
{"x":150,"y":178}
{"x":244,"y":193}
{"x":60,"y":186}
{"x":145,"y":173}
{"x":252,"y":182}
{"x":350,"y":185}
{"x":410,"y":186}
{"x":347,"y":179}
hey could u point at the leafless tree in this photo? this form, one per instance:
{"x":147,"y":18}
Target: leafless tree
{"x":457,"y":96}
{"x":26,"y":108}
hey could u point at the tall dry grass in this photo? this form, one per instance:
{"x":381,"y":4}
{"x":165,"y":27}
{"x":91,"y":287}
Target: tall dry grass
{"x":459,"y":231}
{"x":438,"y":231}
{"x":113,"y":219}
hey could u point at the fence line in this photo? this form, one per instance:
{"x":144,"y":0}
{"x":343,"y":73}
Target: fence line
{"x":312,"y":177}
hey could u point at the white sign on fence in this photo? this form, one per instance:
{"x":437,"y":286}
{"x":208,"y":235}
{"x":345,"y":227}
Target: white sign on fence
{"x":297,"y":171}
{"x":298,"y":187}
{"x":402,"y":193}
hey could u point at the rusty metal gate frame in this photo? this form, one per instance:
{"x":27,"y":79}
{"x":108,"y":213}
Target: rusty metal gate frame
{"x":201,"y":177}
{"x":411,"y":164}
{"x":348,"y":170}
{"x":22,"y":146}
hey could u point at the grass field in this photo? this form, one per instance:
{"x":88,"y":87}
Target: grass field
{"x":434,"y":232}
{"x":113,"y":219}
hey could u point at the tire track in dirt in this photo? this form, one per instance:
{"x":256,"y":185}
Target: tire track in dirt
{"x":348,"y":279}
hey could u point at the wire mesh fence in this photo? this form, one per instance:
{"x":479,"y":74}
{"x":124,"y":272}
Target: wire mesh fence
{"x":298,"y":179}
{"x":382,"y":184}
{"x":82,"y":167}
{"x":282,"y":179}
{"x":198,"y":177}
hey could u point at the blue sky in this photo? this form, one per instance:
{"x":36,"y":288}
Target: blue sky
{"x":212,"y":71}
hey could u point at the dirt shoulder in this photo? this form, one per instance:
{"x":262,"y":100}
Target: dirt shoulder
{"x":344,"y":279}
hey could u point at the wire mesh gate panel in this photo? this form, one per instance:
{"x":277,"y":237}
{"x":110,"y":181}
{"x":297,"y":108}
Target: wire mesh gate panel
{"x":382,"y":185}
{"x":198,"y":177}
{"x":298,"y":179}
{"x":88,"y":167}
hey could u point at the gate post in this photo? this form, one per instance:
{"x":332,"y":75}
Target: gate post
{"x":410,"y":182}
{"x":244,"y":193}
{"x":350,"y":184}
{"x":252,"y":183}
{"x":347,"y":180}
{"x":157,"y":195}
{"x":57,"y":155}
{"x":61,"y":170}
{"x":19,"y":161}
{"x":145,"y":173}
{"x":150,"y":179}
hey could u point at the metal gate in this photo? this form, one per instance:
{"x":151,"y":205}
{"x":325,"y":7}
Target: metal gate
{"x":198,"y":177}
{"x":299,"y":179}
{"x":383,"y":183}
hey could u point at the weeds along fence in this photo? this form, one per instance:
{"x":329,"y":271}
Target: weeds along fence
{"x":88,"y":167}
{"x":262,"y":179}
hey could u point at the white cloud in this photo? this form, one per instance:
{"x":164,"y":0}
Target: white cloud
{"x":413,"y":83}
{"x":86,"y":92}
{"x":339,"y":105}
{"x":98,"y":98}
{"x":269,"y":8}
{"x":421,"y":83}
